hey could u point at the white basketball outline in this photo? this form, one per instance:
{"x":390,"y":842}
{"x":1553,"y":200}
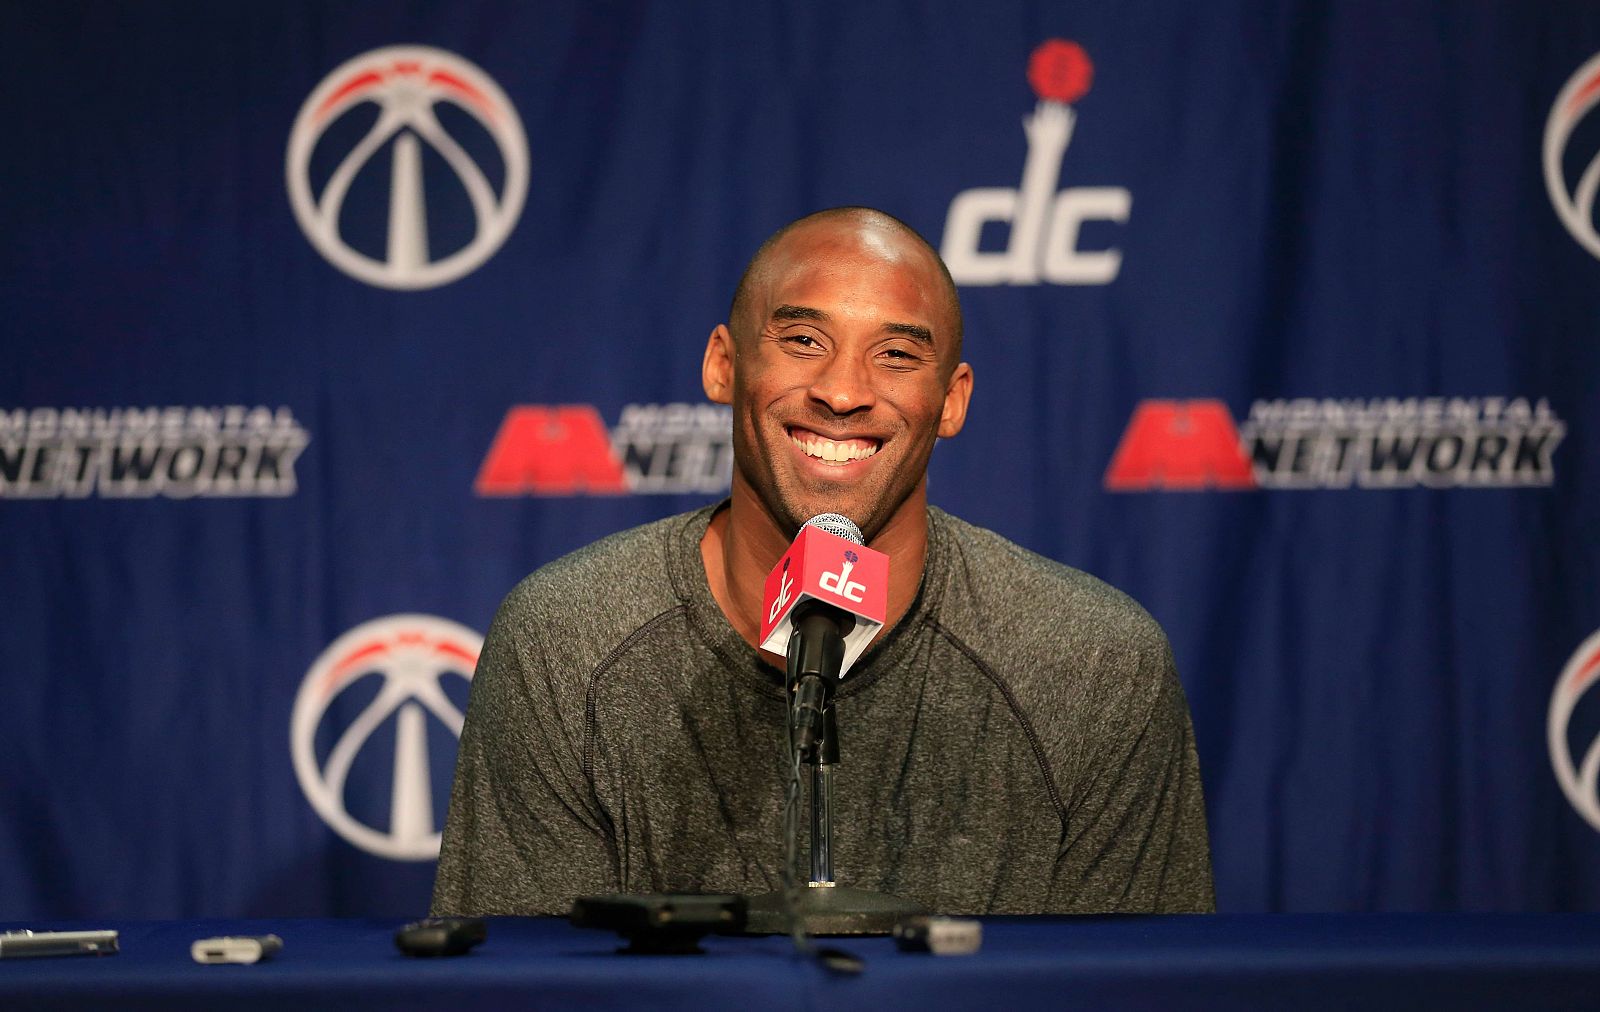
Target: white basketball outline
{"x":417,"y":678}
{"x":1575,"y":209}
{"x":1581,"y":783}
{"x":319,"y":218}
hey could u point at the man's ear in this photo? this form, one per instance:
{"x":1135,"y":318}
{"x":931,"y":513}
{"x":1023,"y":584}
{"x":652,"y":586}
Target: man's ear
{"x":956,"y":395}
{"x":716,"y":371}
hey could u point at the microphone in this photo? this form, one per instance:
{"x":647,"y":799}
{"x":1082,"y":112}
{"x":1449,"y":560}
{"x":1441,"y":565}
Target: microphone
{"x":816,"y":657}
{"x":822,"y":604}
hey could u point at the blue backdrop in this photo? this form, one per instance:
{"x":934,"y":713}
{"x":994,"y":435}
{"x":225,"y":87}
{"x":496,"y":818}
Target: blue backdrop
{"x":325,"y":323}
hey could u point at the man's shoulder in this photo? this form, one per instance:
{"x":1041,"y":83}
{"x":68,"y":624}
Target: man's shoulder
{"x":1014,"y":604}
{"x":1082,"y":660}
{"x":605,"y":589}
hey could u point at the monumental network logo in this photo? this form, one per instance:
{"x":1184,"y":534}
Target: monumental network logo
{"x":383,"y":679}
{"x":179,"y":452}
{"x":1573,"y":192}
{"x":1306,"y":443}
{"x":1045,"y":225}
{"x":445,"y":130}
{"x":561,"y":450}
{"x":1577,"y":776}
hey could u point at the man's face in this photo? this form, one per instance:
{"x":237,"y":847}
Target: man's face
{"x":843,"y":375}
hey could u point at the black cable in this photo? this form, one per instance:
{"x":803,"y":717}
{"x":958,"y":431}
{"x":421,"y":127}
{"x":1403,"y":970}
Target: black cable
{"x":791,"y":847}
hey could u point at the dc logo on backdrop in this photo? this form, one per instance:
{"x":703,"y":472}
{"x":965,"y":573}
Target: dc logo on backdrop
{"x":1578,"y":779}
{"x":406,"y":84}
{"x":1574,"y":203}
{"x":410,"y":655}
{"x":1045,"y":224}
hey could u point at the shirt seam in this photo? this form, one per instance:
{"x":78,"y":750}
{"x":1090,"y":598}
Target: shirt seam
{"x":1016,"y":710}
{"x":591,"y":720}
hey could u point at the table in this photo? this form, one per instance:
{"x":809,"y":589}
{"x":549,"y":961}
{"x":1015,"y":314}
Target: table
{"x":1301,"y":962}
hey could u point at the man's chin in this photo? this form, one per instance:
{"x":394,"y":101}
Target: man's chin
{"x":797,"y":498}
{"x":864,"y":514}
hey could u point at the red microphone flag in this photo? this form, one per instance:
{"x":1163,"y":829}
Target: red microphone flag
{"x":831,"y":569}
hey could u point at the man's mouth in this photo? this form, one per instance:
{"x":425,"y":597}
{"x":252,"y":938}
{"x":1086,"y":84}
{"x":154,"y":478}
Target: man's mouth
{"x":833,"y":451}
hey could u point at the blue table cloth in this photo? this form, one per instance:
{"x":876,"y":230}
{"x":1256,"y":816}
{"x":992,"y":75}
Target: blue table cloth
{"x":1304,"y":962}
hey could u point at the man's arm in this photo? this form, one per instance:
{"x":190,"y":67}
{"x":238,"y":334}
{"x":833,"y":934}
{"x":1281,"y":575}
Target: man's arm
{"x":1136,"y":836}
{"x":525,"y":834}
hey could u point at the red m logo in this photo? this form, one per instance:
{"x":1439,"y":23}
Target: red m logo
{"x":551,"y":451}
{"x":1184,"y":445}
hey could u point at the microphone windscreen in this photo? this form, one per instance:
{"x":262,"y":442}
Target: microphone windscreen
{"x":836,"y":524}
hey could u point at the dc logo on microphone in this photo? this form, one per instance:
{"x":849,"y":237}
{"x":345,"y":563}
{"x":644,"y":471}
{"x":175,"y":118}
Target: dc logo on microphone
{"x":840,"y":582}
{"x":1578,"y":776}
{"x":785,"y":585}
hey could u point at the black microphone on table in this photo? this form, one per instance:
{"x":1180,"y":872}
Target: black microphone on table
{"x":816,"y":655}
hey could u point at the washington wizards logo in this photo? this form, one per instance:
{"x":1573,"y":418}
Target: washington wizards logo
{"x":363,"y":725}
{"x":1572,"y":171}
{"x":1575,"y":751}
{"x":407,"y":167}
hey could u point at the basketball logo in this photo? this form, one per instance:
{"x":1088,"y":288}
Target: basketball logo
{"x":402,"y":662}
{"x":405,"y":89}
{"x":1578,"y":776}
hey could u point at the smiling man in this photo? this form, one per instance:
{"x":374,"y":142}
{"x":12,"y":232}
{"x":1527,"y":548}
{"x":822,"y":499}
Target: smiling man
{"x":1014,"y":741}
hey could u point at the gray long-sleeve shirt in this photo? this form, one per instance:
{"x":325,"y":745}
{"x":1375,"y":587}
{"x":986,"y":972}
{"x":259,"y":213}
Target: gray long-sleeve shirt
{"x":1018,"y":743}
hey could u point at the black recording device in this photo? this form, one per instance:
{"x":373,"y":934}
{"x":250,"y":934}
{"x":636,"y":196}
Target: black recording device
{"x":662,"y":923}
{"x":441,"y":936}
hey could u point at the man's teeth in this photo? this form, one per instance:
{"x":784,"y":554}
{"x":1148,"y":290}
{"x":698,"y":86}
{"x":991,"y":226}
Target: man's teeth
{"x":839,"y":453}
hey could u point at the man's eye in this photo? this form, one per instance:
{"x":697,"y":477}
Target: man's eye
{"x":901,"y":356}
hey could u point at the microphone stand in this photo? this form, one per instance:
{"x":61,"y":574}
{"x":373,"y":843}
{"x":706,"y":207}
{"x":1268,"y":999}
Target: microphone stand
{"x":826,"y":758}
{"x":825,"y":907}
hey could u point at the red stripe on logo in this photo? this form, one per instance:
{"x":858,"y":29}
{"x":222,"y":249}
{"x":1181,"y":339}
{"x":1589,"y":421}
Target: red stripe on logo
{"x":467,"y":91}
{"x":361,"y":82}
{"x":1585,"y":674}
{"x":455,"y":651}
{"x":1583,"y":94}
{"x":349,"y":661}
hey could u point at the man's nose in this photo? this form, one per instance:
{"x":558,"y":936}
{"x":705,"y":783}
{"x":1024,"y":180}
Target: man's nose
{"x":844,"y":385}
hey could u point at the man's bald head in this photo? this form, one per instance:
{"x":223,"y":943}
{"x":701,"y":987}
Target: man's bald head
{"x":864,"y":220}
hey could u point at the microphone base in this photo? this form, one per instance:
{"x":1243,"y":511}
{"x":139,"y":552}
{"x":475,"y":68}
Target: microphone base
{"x":831,"y":910}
